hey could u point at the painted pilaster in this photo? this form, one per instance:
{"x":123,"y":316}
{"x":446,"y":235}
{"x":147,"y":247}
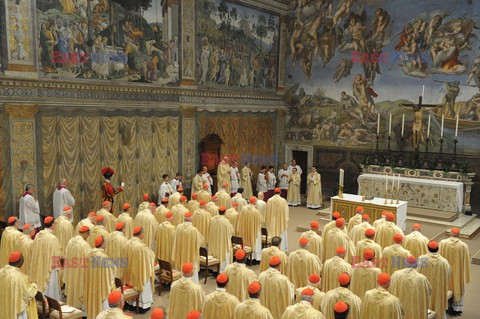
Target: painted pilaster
{"x":282,"y":53}
{"x":189,"y":141}
{"x":187,"y":18}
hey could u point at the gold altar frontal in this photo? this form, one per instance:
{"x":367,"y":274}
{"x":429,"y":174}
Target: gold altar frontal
{"x":348,"y":204}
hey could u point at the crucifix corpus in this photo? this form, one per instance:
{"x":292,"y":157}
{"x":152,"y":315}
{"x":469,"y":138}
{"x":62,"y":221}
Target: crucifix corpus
{"x":417,"y":122}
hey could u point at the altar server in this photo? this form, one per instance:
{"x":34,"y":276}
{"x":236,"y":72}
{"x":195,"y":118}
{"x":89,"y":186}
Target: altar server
{"x":239,"y":276}
{"x":271,"y":182}
{"x":220,"y":304}
{"x":416,"y":242}
{"x":274,"y":250}
{"x":249,"y":228}
{"x":302,"y":263}
{"x":379,"y":303}
{"x":176,"y":183}
{"x":61,"y":198}
{"x":252,"y":308}
{"x":343,"y":294}
{"x":29,"y":208}
{"x":293,"y":194}
{"x":315,"y":240}
{"x":333,"y":267}
{"x":165,"y":189}
{"x":246,"y":181}
{"x":276,"y":217}
{"x":314,"y":190}
{"x":164,"y":239}
{"x":185,"y":294}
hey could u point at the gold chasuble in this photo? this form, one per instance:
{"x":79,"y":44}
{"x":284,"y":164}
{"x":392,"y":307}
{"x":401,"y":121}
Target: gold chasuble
{"x":193,"y":205}
{"x":239,"y":278}
{"x":148,"y":222}
{"x":301,"y":264}
{"x":220,"y":238}
{"x":223,"y":175}
{"x":332,"y":268}
{"x":316,"y":299}
{"x":63,"y":230}
{"x":185,"y":296}
{"x":97,"y":231}
{"x":219,"y":304}
{"x":201,"y":220}
{"x":293,"y":194}
{"x":249,"y":225}
{"x":212,"y":209}
{"x":223,"y":199}
{"x":416,"y":243}
{"x":354,"y":221}
{"x":83,"y":222}
{"x":197,"y":183}
{"x":99,"y":281}
{"x":232,"y":215}
{"x":239,"y":200}
{"x":160,"y":213}
{"x":276,"y":216}
{"x":46,"y":254}
{"x":384,"y":236}
{"x":186,"y":245}
{"x":277,"y":292}
{"x":367,"y":244}
{"x":393,"y":258}
{"x":438,"y":272}
{"x":9,"y":240}
{"x":17,"y":294}
{"x":338,"y":237}
{"x":364,"y":277}
{"x":110,"y":220}
{"x":379,"y":303}
{"x":353,"y":301}
{"x":143,"y":206}
{"x":140,"y":264}
{"x":246,"y":182}
{"x":413,"y":290}
{"x":179,"y":212}
{"x":251,"y":309}
{"x":204,"y":195}
{"x":127,"y":220}
{"x":76,"y":261}
{"x":315,"y":243}
{"x":173,"y":199}
{"x":314,"y":192}
{"x":24,"y":245}
{"x":302,"y":310}
{"x":458,"y":255}
{"x":164,"y":241}
{"x":357,"y":233}
{"x":115,"y":248}
{"x":113,"y":313}
{"x":268,"y":253}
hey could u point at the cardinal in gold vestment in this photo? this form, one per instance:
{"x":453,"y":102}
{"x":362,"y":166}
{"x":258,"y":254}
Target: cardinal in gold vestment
{"x":252,"y":308}
{"x":161,"y":210}
{"x":201,"y":220}
{"x":249,"y":228}
{"x":186,"y":245}
{"x":458,"y":255}
{"x":220,"y":304}
{"x":232,"y":215}
{"x":438,"y":272}
{"x":223,"y":198}
{"x":211,"y":207}
{"x":302,"y":263}
{"x":116,"y":303}
{"x":204,"y":194}
{"x":10,"y":236}
{"x":239,"y":200}
{"x":24,"y":246}
{"x":185,"y":294}
{"x":148,"y":222}
{"x":220,"y":239}
{"x":127,"y":220}
{"x":367,"y":243}
{"x":76,"y":261}
{"x":110,"y":219}
{"x":305,"y":308}
{"x":246,"y":181}
{"x":355,"y":220}
{"x":413,"y":290}
{"x":17,"y":293}
{"x":139,"y":272}
{"x":416,"y":242}
{"x":333,"y":267}
{"x":342,"y":293}
{"x":394,"y":256}
{"x":144,"y":205}
{"x":314,"y":190}
{"x":193,"y":204}
{"x":99,"y":280}
{"x":97,"y":231}
{"x":277,"y":291}
{"x":293,"y":194}
{"x":338,"y":237}
{"x":197,"y":182}
{"x":239,"y":276}
{"x":271,"y":251}
{"x":223,"y":174}
{"x":364,"y":275}
{"x":379,"y":303}
{"x":89,"y":221}
{"x":384,"y":236}
{"x":314,"y":285}
{"x":315,"y":241}
{"x":46,"y":255}
{"x":63,"y":228}
{"x":174,"y":199}
{"x":379,"y":223}
{"x":179,"y":211}
{"x":164,"y":239}
{"x":277,"y":216}
{"x":357,"y":233}
{"x":115,"y":247}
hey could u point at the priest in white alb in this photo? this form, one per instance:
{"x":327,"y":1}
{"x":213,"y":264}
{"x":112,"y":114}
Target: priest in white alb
{"x":61,"y":198}
{"x":314,"y":190}
{"x":283,"y":180}
{"x":276,"y":217}
{"x":220,"y":239}
{"x":29,"y":208}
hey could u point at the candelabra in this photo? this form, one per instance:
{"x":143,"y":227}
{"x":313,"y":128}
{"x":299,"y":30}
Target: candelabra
{"x":455,"y":164}
{"x":440,"y":157}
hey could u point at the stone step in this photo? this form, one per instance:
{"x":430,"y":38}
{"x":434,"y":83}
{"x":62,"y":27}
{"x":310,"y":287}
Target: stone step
{"x":469,"y":229}
{"x":476,"y":258}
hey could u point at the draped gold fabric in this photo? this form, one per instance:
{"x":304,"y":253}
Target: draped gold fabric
{"x":242,"y":135}
{"x":140,"y":148}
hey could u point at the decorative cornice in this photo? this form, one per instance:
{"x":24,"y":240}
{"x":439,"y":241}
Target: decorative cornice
{"x":21,"y":111}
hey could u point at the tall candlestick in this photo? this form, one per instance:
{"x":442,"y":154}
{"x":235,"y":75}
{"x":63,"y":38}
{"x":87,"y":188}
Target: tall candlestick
{"x":398,"y":185}
{"x":428,"y":128}
{"x":340,"y":182}
{"x":390,"y":125}
{"x":393,"y":181}
{"x":378,"y":124}
{"x":423,"y":91}
{"x":386,"y":182}
{"x":403,"y":123}
{"x":441,"y":129}
{"x":456,"y":128}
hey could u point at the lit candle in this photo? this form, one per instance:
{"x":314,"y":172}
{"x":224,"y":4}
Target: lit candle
{"x":340,"y":182}
{"x":378,"y":124}
{"x":393,"y":181}
{"x":456,"y":128}
{"x":386,"y":182}
{"x":403,"y":123}
{"x":441,"y":129}
{"x":428,"y":128}
{"x":423,"y":91}
{"x":390,"y":125}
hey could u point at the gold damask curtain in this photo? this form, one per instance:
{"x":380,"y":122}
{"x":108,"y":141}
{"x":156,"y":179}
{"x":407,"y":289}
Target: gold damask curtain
{"x":242,"y":135}
{"x":139,"y":148}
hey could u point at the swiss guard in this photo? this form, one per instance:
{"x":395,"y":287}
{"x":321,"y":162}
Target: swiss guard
{"x":108,"y":192}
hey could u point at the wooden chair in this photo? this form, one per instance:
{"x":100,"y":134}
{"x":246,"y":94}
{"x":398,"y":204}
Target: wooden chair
{"x":42,"y":307}
{"x":55,"y":310}
{"x":265,"y":238}
{"x":128,"y":293}
{"x":237,"y":243}
{"x":167,"y":274}
{"x":208,"y":263}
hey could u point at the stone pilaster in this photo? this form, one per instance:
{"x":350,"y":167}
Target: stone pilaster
{"x":282,"y":55}
{"x":281,"y":136}
{"x":22,"y":147}
{"x":187,"y":18}
{"x":189,"y":141}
